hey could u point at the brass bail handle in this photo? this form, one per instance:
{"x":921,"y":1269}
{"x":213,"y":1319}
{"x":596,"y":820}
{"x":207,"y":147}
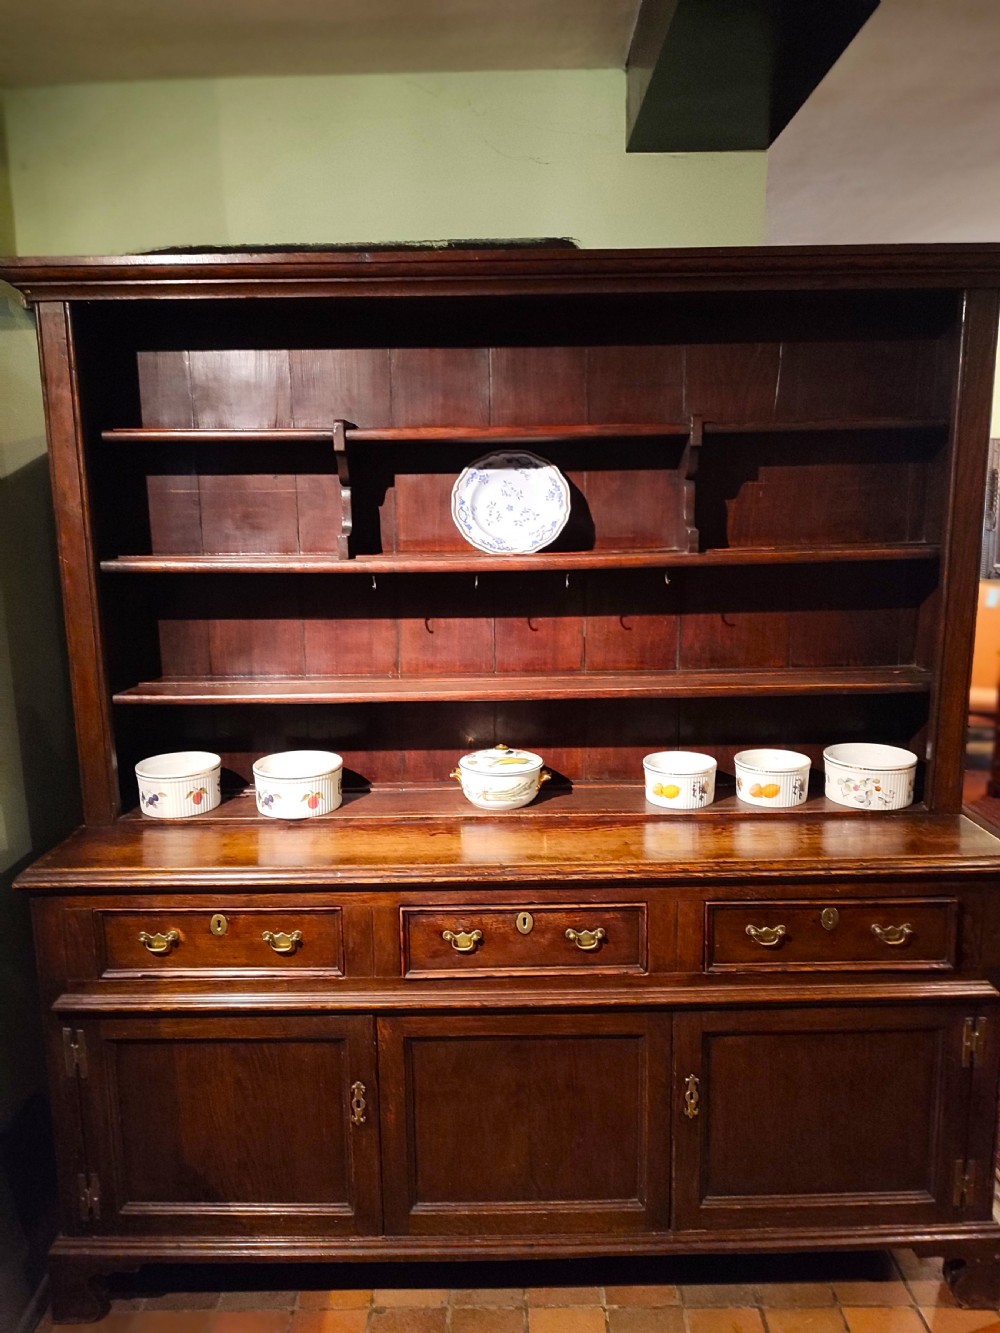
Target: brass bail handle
{"x":463,"y":941}
{"x":282,"y":942}
{"x":894,"y":935}
{"x":159,"y":943}
{"x":766,"y":936}
{"x":586,"y":939}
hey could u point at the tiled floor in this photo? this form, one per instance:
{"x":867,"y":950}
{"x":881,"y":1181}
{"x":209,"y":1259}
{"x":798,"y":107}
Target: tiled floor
{"x":856,"y":1293}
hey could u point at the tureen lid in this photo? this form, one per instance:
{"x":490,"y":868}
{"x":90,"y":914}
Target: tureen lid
{"x":500,"y":759}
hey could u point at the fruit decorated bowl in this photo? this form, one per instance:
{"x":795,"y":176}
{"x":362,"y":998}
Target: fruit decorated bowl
{"x":679,"y":779}
{"x":869,"y":777}
{"x":500,"y":778}
{"x":298,"y":784}
{"x":772,"y":779}
{"x":178,"y":785}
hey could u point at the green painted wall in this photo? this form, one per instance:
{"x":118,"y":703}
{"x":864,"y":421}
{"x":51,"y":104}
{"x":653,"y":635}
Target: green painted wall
{"x":117,"y":167}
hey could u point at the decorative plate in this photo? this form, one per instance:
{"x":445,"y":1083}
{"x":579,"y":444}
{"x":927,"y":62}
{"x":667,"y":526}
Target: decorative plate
{"x":510,"y":503}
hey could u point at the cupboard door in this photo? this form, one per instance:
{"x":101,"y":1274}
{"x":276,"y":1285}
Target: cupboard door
{"x":524,"y":1124}
{"x":233,"y":1125}
{"x":824,"y":1117}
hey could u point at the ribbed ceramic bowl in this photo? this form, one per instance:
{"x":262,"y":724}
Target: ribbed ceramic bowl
{"x":298,"y":784}
{"x":679,"y":779}
{"x":772,"y":779}
{"x":178,"y":785}
{"x":500,"y":778}
{"x":870,"y":777}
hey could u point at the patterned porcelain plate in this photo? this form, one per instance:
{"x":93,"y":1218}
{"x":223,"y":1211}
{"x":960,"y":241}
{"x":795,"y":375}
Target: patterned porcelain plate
{"x":510,"y":503}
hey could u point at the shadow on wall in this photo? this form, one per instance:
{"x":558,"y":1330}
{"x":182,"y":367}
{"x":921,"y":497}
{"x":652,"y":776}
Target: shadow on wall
{"x":42,"y":806}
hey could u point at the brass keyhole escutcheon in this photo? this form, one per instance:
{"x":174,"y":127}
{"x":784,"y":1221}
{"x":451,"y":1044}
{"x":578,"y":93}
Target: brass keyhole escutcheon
{"x":525,"y":923}
{"x":219,"y":924}
{"x":829,"y":917}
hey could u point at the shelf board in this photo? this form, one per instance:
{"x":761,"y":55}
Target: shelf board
{"x":450,"y":562}
{"x":512,"y":434}
{"x":579,"y":800}
{"x":829,"y":424}
{"x":576,"y":685}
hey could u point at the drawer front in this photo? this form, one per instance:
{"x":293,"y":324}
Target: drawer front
{"x":860,"y":933}
{"x":186,"y":941}
{"x":524,"y":938}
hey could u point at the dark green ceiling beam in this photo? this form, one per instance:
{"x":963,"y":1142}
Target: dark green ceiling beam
{"x":722,"y":75}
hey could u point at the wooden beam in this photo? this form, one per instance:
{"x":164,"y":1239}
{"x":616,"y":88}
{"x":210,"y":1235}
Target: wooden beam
{"x":725,"y":75}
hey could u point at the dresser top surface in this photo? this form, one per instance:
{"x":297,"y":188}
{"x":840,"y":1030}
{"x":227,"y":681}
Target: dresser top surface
{"x":151,"y":854}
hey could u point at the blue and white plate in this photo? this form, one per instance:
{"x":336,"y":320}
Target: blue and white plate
{"x":510,"y":503}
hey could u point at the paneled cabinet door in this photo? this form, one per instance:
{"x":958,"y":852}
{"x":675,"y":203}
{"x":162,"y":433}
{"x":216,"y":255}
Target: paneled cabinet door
{"x":832,"y":1117}
{"x":215,"y":1125}
{"x":524,"y":1124}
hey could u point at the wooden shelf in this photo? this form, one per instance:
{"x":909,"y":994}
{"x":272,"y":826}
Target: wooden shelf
{"x":818,"y":426}
{"x":512,"y":434}
{"x":578,"y":685}
{"x":472,"y":561}
{"x":579,"y":800}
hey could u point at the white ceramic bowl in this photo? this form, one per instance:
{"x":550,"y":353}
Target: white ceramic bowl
{"x":773,"y":779}
{"x":500,"y":778}
{"x":298,"y":784}
{"x":870,"y":777}
{"x":178,"y":785}
{"x":679,"y":779}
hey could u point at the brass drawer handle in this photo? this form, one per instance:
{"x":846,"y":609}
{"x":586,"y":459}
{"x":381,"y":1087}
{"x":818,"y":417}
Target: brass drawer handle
{"x":465,"y":941}
{"x":893,"y":934}
{"x":281,"y":942}
{"x":158,"y":943}
{"x":768,"y":937}
{"x":586,"y":939}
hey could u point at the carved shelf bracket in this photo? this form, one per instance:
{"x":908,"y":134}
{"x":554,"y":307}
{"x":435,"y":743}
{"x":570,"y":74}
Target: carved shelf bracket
{"x":689,"y":467}
{"x":340,"y":429}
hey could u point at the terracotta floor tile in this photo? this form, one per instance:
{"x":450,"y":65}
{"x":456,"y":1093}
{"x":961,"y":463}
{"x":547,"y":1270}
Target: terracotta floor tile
{"x":257,"y":1300}
{"x":795,"y":1295}
{"x":183,"y":1300}
{"x":646,"y":1319}
{"x":884,"y":1319}
{"x":930,"y":1293}
{"x":728,"y":1295}
{"x":334,"y":1300}
{"x":329,"y":1321}
{"x":174,"y":1321}
{"x":962,"y":1321}
{"x":390,"y":1297}
{"x":408,"y":1319}
{"x":732,"y":1320}
{"x":111,"y":1323}
{"x":567,"y":1319}
{"x":872,"y":1293}
{"x":647,"y":1296}
{"x":563,"y":1296}
{"x":244,"y":1321}
{"x":800,"y":1320}
{"x":913,"y":1265}
{"x":487,"y":1298}
{"x":469,"y":1319}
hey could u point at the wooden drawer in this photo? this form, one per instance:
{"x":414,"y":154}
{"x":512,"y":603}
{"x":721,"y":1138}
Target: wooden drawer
{"x":188,"y":940}
{"x":524,"y":938}
{"x":859,"y":933}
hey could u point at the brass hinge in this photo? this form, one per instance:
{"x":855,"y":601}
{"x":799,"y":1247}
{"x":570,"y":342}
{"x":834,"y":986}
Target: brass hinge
{"x":74,"y":1053}
{"x":965,"y":1182}
{"x":90,"y":1197}
{"x":973,"y":1032}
